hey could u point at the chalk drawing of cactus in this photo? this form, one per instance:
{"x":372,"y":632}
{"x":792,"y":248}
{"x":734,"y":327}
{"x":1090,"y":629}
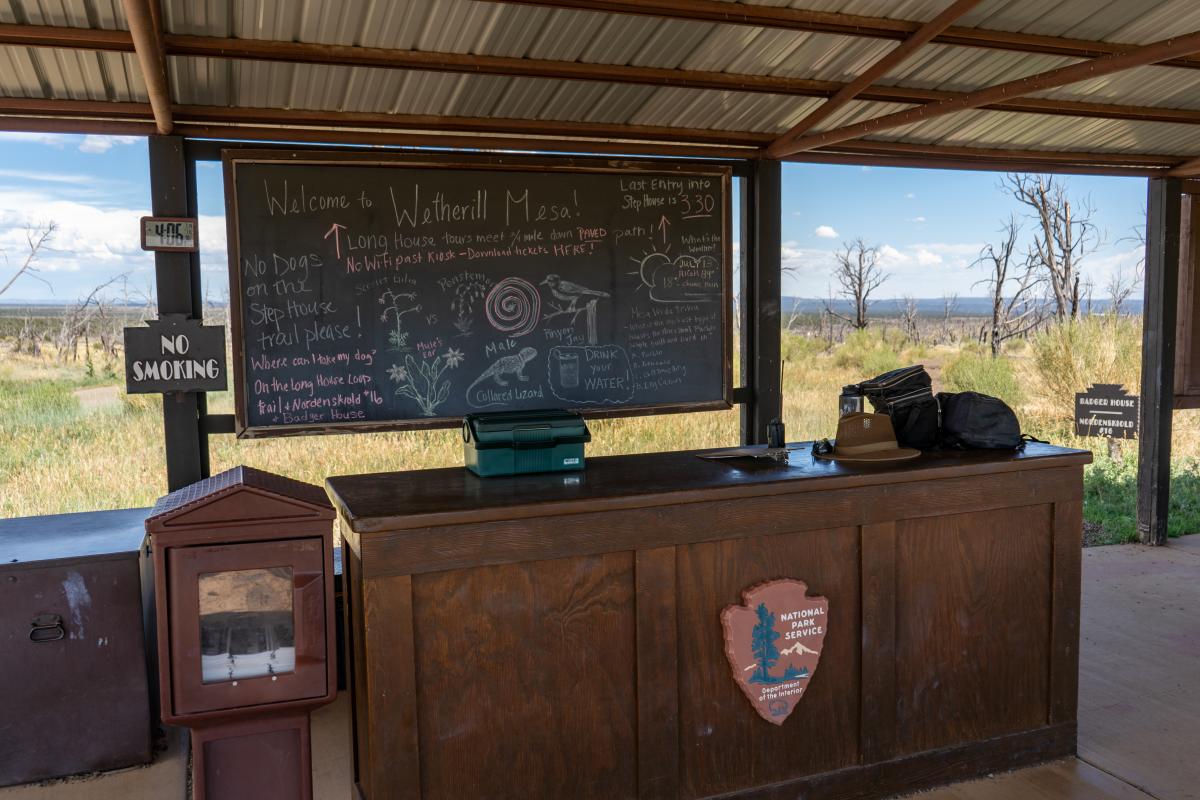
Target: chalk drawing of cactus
{"x":423,"y":382}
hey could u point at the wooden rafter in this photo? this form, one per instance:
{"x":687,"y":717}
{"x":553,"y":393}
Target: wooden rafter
{"x":145,"y":28}
{"x":1139,"y":56}
{"x":511,"y":126}
{"x":298,"y":52}
{"x":1188,"y":169}
{"x":889,"y":61}
{"x":799,"y":19}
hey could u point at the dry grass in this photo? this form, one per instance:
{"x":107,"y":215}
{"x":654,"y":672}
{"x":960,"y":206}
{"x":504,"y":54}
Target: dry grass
{"x":56,"y":457}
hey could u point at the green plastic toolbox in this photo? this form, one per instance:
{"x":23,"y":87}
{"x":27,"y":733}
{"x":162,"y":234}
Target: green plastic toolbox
{"x":518,"y":442}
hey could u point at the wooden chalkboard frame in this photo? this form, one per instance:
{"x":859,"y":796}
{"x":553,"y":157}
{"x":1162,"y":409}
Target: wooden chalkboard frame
{"x":233,"y":156}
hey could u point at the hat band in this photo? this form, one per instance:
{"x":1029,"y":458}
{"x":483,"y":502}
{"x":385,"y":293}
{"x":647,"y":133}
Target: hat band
{"x":857,"y":449}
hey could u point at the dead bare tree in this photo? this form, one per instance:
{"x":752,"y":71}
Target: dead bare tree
{"x":77,"y":320}
{"x":949,"y":306}
{"x":909,"y":317}
{"x":858,"y":274}
{"x":1123,"y":282}
{"x":1120,"y":287}
{"x":829,"y":315}
{"x":1065,"y":235}
{"x":28,"y":339}
{"x":37,"y":237}
{"x":1010,"y":287}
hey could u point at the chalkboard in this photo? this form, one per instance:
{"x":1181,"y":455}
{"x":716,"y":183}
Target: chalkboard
{"x":376,"y":292}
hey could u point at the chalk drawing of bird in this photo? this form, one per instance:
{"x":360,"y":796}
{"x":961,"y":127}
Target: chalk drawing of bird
{"x":569,"y":292}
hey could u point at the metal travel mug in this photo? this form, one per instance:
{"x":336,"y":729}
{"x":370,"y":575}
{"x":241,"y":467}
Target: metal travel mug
{"x":850,"y":401}
{"x":775,"y":435}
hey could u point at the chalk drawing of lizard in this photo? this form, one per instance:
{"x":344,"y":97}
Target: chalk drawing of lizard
{"x":508,"y":365}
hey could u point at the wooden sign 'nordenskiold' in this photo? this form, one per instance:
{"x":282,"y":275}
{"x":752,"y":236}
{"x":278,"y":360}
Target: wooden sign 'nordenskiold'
{"x":373,"y":291}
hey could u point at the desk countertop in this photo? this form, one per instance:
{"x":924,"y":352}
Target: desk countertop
{"x":449,"y":496}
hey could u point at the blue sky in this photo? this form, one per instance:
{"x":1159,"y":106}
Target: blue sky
{"x":929,"y":224}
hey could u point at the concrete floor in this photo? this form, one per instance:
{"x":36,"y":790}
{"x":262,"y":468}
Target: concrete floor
{"x":1139,"y":690}
{"x":1139,"y":703}
{"x":167,"y":777}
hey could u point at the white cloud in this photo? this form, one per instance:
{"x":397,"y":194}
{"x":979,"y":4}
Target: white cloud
{"x":916,"y":219}
{"x":92,"y":244}
{"x":959,"y":250}
{"x":891,"y":257}
{"x":45,"y":177}
{"x":825,"y":232}
{"x":52,"y":139}
{"x":93,"y":143}
{"x":910,"y":196}
{"x":927,"y":258}
{"x":924,"y":269}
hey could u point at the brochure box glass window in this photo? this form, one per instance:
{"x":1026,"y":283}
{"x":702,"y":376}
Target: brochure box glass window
{"x":248,"y":624}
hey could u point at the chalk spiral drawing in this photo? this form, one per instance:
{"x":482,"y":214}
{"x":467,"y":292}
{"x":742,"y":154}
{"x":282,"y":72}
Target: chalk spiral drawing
{"x":513,"y":307}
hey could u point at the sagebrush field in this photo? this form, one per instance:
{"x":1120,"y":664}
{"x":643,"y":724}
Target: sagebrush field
{"x":68,"y":444}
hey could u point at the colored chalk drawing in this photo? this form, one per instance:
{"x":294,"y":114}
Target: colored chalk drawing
{"x":513,"y":307}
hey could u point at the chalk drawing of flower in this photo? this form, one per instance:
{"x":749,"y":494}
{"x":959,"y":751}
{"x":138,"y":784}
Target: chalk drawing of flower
{"x":423,"y":382}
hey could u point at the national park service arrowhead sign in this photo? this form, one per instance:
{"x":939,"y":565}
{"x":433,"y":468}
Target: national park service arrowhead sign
{"x":773,"y":643}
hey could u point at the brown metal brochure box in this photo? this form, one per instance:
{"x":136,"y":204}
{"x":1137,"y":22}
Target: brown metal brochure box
{"x":243,"y":574}
{"x":73,"y":690}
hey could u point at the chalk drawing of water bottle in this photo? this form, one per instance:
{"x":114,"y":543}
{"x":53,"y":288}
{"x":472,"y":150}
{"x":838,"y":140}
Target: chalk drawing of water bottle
{"x":568,"y":370}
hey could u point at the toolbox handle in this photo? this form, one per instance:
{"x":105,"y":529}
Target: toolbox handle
{"x":46,"y":628}
{"x":532,"y":437}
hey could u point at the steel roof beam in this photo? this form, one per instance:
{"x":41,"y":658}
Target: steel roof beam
{"x":800,"y":19}
{"x":1140,"y":56}
{"x":885,"y":64}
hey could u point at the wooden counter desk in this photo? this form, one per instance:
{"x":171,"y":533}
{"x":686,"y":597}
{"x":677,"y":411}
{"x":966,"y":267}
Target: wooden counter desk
{"x":559,"y":636}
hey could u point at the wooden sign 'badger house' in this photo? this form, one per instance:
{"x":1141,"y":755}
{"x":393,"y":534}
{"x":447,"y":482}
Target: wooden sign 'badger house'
{"x":773,"y":643}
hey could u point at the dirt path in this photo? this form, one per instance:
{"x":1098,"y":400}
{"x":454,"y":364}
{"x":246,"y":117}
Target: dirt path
{"x":96,"y":398}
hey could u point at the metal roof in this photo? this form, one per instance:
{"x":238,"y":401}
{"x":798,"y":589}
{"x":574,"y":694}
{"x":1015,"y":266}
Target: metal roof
{"x":108,"y":72}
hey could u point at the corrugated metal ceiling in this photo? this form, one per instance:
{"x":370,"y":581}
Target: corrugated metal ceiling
{"x":497,"y":29}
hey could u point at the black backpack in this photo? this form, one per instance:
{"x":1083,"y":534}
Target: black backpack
{"x":906,"y":395}
{"x":974,"y":421}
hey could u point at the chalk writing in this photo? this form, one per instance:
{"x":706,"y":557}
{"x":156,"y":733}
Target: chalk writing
{"x":376,"y":292}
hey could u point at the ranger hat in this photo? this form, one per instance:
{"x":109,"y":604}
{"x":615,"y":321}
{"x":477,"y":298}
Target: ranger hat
{"x":867,"y":437}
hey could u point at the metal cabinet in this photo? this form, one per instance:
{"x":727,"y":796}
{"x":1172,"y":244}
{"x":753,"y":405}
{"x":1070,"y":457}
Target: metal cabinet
{"x":73,"y":678}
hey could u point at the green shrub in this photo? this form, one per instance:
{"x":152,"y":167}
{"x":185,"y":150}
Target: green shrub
{"x":876,"y":362}
{"x":973,"y":372}
{"x":868,"y":352}
{"x":797,"y":347}
{"x":1070,"y":356}
{"x":1110,"y":497}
